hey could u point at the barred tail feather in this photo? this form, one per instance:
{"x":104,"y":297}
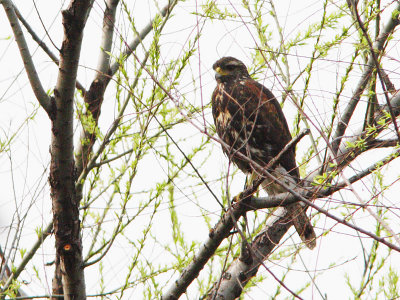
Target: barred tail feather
{"x":299,"y":218}
{"x":303,"y":227}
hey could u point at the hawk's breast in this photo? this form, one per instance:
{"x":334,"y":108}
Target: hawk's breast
{"x":249,"y":120}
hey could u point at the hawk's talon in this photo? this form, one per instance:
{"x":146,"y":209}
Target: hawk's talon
{"x":237,"y":198}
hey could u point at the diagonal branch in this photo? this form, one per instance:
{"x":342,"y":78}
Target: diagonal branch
{"x":207,"y":249}
{"x":241,"y":271}
{"x":94,"y":96}
{"x":378,"y":69}
{"x":42,"y":45}
{"x":27,"y":257}
{"x":276,"y":227}
{"x":41,"y":96}
{"x":377,"y":48}
{"x":107,"y":38}
{"x":264,"y":243}
{"x":131,"y":47}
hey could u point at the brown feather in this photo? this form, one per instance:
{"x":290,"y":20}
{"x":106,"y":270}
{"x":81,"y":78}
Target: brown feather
{"x":249,"y":119}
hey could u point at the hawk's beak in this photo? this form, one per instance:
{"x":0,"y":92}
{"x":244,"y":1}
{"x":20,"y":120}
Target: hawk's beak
{"x":219,"y":73}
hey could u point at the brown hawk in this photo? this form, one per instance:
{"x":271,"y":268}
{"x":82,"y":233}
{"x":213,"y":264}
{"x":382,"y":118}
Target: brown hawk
{"x":249,"y":119}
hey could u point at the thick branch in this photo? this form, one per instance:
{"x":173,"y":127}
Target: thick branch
{"x":207,"y":250}
{"x":94,"y":97}
{"x":92,"y":162}
{"x":107,"y":38}
{"x":42,"y":45}
{"x":242,"y":270}
{"x":62,"y":169}
{"x":30,"y":69}
{"x":275,"y":228}
{"x":349,"y":110}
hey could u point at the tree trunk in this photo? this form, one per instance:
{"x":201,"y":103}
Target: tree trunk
{"x":62,"y":169}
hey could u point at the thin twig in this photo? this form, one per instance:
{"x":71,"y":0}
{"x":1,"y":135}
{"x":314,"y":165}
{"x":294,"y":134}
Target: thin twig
{"x":27,"y":257}
{"x":131,"y":47}
{"x":349,"y":110}
{"x":378,"y":69}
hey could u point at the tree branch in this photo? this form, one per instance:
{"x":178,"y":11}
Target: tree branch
{"x":94,"y":97}
{"x":107,"y":38}
{"x":67,"y":229}
{"x":28,"y":256}
{"x":377,"y":48}
{"x":33,"y":77}
{"x":241,"y":271}
{"x":42,"y":45}
{"x":142,"y":35}
{"x":345,"y":154}
{"x":378,"y":69}
{"x":207,"y":249}
{"x":275,"y":228}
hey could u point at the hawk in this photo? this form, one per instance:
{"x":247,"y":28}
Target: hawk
{"x":250,"y":121}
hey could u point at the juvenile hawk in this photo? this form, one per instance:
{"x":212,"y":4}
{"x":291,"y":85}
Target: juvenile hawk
{"x":249,"y":119}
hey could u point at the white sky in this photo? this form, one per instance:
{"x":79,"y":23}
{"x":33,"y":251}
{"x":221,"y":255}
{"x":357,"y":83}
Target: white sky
{"x":29,"y":152}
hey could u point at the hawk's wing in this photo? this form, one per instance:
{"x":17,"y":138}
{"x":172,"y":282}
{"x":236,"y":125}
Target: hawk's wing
{"x":271,"y":130}
{"x":250,"y":120}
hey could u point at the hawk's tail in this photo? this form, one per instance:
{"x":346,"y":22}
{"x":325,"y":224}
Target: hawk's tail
{"x":303,"y":226}
{"x":297,"y":211}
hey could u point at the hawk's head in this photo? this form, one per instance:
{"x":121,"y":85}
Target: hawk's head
{"x":229,"y":68}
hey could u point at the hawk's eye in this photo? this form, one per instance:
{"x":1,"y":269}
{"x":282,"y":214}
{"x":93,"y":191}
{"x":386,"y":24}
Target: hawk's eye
{"x":229,"y":67}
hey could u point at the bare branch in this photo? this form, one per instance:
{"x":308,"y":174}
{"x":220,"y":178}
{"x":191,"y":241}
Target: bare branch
{"x":208,"y":248}
{"x":42,"y":45}
{"x":28,"y":256}
{"x":107,"y":38}
{"x":346,"y":154}
{"x":394,"y":102}
{"x":33,"y":77}
{"x":378,"y":69}
{"x":94,"y":97}
{"x":285,"y":199}
{"x":377,"y":48}
{"x":145,"y":31}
